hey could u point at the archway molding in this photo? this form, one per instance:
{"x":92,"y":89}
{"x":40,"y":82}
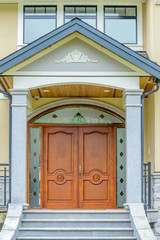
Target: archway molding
{"x":75,"y":101}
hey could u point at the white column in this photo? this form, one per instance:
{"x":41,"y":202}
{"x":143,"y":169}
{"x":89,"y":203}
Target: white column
{"x":19,"y":146}
{"x":133,"y":145}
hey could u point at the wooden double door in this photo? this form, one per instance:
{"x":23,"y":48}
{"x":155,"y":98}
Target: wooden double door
{"x":79,"y":168}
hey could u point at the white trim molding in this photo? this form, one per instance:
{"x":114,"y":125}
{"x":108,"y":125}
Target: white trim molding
{"x":75,"y":101}
{"x":114,"y":82}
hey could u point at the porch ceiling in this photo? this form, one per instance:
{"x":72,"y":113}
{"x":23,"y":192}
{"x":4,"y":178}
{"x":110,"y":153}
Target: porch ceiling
{"x":7,"y":83}
{"x":77,"y":90}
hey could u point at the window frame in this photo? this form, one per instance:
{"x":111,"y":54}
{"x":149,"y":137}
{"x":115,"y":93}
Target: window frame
{"x":86,"y":17}
{"x":122,"y":17}
{"x":38,"y":17}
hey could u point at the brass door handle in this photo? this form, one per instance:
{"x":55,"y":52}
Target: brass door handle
{"x":80,"y":171}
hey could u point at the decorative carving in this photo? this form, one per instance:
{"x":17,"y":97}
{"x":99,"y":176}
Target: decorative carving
{"x":96,"y":177}
{"x":60,"y":177}
{"x":76,"y":57}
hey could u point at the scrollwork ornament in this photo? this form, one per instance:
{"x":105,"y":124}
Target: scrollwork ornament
{"x":76,"y":56}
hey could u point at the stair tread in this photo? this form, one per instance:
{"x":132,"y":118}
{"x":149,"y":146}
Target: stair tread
{"x":75,"y":220}
{"x":74,"y":229}
{"x":116,"y":217}
{"x":76,"y":211}
{"x":81,"y":238}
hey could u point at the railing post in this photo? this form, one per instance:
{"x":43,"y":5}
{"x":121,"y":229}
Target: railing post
{"x":147,"y":189}
{"x":149,"y":185}
{"x":145,"y":185}
{"x":4,"y":186}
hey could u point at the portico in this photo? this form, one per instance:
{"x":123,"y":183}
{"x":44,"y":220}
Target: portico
{"x":84,"y":68}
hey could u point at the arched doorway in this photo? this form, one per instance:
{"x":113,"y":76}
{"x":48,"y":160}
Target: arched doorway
{"x":72,"y":149}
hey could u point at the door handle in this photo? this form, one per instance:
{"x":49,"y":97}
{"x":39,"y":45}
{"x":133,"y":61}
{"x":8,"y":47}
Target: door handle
{"x":80,"y":171}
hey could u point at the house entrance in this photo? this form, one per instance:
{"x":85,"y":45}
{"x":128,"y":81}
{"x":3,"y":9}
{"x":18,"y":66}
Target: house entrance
{"x":76,"y":158}
{"x":79,"y":167}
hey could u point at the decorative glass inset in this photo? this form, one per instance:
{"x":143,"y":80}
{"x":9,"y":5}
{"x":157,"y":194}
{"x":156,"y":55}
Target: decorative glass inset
{"x":34,"y":167}
{"x":78,"y":118}
{"x":54,"y":116}
{"x":101,"y":116}
{"x":78,"y":115}
{"x":121,"y":167}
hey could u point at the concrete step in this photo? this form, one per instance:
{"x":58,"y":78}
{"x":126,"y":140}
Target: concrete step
{"x":100,"y":223}
{"x":75,"y":232}
{"x":76,"y":238}
{"x":76,"y":214}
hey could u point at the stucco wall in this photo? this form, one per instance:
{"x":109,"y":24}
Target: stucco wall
{"x":8,"y":29}
{"x":4,"y":130}
{"x":151,"y":13}
{"x":149,"y":130}
{"x":157,"y":131}
{"x":144,"y":23}
{"x":152,"y":33}
{"x":145,"y":130}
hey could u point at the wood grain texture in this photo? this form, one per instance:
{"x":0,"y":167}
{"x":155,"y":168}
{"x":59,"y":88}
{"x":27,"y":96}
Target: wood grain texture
{"x":60,"y":168}
{"x":97,"y":186}
{"x":78,"y":90}
{"x":75,"y":90}
{"x":67,"y":148}
{"x":85,"y":90}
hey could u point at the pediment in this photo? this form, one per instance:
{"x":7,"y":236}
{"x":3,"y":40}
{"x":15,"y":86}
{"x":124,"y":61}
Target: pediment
{"x":76,"y":55}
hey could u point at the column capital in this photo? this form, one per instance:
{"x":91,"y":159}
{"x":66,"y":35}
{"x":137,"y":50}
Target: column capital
{"x":137,"y":92}
{"x":20,"y":97}
{"x":132,"y":97}
{"x":19,"y":91}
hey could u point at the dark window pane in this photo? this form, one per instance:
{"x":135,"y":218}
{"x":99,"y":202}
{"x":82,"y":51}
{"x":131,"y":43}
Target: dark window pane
{"x":69,"y":10}
{"x":131,"y":12}
{"x":80,"y":10}
{"x":29,"y":10}
{"x":50,"y":10}
{"x":40,"y":10}
{"x":120,"y":12}
{"x":91,"y":11}
{"x":109,"y":11}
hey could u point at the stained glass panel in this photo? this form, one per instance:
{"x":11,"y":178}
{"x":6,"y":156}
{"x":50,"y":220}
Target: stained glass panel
{"x":78,"y":115}
{"x":121,"y":167}
{"x":34,"y":167}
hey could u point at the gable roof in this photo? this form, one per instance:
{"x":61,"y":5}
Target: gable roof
{"x":77,"y":25}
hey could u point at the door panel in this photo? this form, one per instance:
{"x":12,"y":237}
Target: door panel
{"x":97,"y":183}
{"x":60,"y":167}
{"x":79,"y":168}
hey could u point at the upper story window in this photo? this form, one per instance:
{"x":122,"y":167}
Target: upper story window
{"x":87,"y":13}
{"x":38,"y":21}
{"x":121,"y":23}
